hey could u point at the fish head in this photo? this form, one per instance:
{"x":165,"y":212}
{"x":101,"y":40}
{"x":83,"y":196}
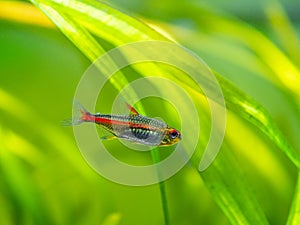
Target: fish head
{"x":171,"y":137}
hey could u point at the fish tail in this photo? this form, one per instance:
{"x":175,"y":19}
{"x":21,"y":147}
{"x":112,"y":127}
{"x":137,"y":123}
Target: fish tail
{"x":80,"y":115}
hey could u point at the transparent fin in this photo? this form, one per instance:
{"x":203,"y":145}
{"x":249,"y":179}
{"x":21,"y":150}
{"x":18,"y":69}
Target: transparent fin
{"x":108,"y":137}
{"x":79,"y":115}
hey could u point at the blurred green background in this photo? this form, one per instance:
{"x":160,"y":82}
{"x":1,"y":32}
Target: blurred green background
{"x":44,"y":178}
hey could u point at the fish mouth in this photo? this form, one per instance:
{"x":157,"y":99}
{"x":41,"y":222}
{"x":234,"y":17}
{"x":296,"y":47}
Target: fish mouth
{"x":167,"y":141}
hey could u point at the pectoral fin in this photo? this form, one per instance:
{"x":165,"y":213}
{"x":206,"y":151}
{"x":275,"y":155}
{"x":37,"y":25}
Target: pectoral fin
{"x":108,"y":137}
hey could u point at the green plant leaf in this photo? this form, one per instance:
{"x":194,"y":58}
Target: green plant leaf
{"x":283,"y":28}
{"x":88,"y":45}
{"x":21,"y":184}
{"x":51,"y":135}
{"x":118,"y":28}
{"x":285,"y":73}
{"x":250,"y":110}
{"x":232,"y":192}
{"x":75,"y":18}
{"x":112,"y":219}
{"x":294,"y":216}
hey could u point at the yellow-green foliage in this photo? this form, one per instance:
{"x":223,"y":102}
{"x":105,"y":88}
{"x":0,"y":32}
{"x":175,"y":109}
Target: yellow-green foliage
{"x":45,"y":180}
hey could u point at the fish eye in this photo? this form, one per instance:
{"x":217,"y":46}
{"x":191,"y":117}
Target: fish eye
{"x":173,"y":134}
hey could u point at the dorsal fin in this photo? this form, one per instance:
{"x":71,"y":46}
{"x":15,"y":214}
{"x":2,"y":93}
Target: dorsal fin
{"x":132,"y":110}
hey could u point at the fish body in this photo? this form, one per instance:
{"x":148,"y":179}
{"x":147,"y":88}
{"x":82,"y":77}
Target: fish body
{"x":133,"y":127}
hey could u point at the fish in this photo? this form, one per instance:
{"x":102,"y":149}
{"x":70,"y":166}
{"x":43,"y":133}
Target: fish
{"x":132,"y":127}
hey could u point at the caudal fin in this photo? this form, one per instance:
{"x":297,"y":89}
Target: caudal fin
{"x":80,"y":114}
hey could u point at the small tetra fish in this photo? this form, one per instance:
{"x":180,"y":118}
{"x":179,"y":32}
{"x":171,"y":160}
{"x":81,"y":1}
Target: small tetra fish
{"x":133,"y":127}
